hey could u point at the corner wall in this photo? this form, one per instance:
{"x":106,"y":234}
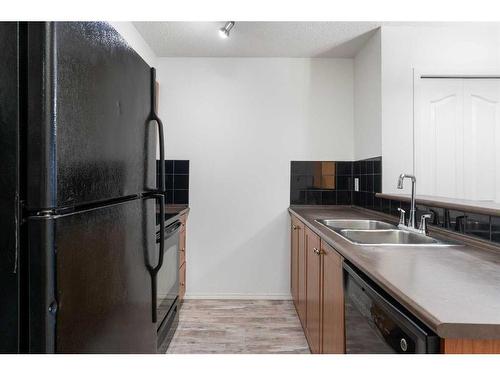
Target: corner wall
{"x":368,"y":99}
{"x":240,"y":121}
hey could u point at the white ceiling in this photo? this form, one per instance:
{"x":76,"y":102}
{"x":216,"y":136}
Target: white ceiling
{"x":257,"y":39}
{"x":270,"y":39}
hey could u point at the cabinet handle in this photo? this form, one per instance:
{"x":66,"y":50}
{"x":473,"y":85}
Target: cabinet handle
{"x":295,"y":227}
{"x":316,"y":251}
{"x":183,"y":249}
{"x":182,"y":284}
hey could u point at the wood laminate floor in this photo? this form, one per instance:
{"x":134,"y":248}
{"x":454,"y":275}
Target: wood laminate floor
{"x":238,"y":326}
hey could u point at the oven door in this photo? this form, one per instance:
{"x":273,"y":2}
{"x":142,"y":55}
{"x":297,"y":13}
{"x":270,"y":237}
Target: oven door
{"x":168,"y":275}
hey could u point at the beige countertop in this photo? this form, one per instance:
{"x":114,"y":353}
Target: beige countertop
{"x":453,"y":290}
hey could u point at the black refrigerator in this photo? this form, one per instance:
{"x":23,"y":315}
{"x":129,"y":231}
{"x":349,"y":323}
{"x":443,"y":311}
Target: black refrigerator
{"x":78,"y":190}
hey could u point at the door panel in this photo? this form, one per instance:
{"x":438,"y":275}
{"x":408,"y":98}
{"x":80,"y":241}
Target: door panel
{"x":89,"y":99}
{"x":9,"y":189}
{"x":103,"y":289}
{"x":457,"y":138}
{"x":439,"y":137}
{"x":294,"y":264}
{"x":313,"y":293}
{"x":482,"y":139}
{"x":301,"y":274}
{"x":333,"y":302}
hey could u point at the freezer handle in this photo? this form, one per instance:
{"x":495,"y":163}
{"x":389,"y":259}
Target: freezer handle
{"x":153,"y":116}
{"x":153,"y":271}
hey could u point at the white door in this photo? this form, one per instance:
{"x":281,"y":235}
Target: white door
{"x":457,"y":138}
{"x":482,"y":139}
{"x":438,"y":137}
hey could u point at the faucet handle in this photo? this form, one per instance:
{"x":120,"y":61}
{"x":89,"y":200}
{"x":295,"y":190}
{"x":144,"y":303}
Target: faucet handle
{"x":401,"y":216}
{"x":423,"y":222}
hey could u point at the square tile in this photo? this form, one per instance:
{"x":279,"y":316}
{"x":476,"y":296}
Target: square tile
{"x":181,"y":166}
{"x":369,"y":167}
{"x":344,"y":183}
{"x":377,"y":166}
{"x":298,"y":197}
{"x":356,"y":198}
{"x":328,"y":197}
{"x":356,"y":168}
{"x":455,"y":220}
{"x":181,"y":196}
{"x":327,"y":182}
{"x":386,"y":206}
{"x":328,"y":168}
{"x":495,"y":229}
{"x":181,"y":181}
{"x":363,"y":183}
{"x":313,"y":197}
{"x":344,"y":197}
{"x":169,"y":181}
{"x":301,"y":182}
{"x":369,"y":183}
{"x":478,"y":225}
{"x":377,"y":183}
{"x":344,"y":168}
{"x":169,"y":197}
{"x":302,"y":167}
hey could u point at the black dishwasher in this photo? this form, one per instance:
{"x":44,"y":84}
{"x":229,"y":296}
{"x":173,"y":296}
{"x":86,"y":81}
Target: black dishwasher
{"x":376,"y":324}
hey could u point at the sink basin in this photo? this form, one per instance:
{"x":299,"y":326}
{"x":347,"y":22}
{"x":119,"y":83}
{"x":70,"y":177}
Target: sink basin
{"x":389,"y":237}
{"x":339,"y":224}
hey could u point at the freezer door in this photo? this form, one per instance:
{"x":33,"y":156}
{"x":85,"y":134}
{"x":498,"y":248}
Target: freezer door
{"x":89,"y":102}
{"x":90,"y":289}
{"x":9,"y":188}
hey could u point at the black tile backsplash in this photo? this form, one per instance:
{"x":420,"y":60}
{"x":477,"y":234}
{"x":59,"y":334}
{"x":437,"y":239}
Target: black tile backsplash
{"x":332,"y":183}
{"x":321,"y":182}
{"x":176,"y":180}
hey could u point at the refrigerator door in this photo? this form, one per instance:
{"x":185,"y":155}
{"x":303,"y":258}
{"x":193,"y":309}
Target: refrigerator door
{"x":9,"y":188}
{"x":89,"y":103}
{"x":96,"y":291}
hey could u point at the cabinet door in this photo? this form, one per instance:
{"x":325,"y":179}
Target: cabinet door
{"x":333,"y":301}
{"x":313,"y":290}
{"x":182,"y":282}
{"x":294,"y":263}
{"x":182,"y":248}
{"x":301,"y":273}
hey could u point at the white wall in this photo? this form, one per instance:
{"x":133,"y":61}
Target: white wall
{"x":368,"y":100}
{"x":240,"y":121}
{"x":461,"y":49}
{"x":128,"y":31}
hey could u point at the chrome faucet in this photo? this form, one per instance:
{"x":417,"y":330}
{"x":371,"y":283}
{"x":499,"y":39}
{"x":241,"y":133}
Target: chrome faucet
{"x":411,"y":218}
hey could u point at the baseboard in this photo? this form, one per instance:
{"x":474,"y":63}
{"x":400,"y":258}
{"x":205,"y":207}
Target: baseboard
{"x":239,"y":296}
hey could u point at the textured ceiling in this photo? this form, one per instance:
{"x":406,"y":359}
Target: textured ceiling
{"x":257,"y":39}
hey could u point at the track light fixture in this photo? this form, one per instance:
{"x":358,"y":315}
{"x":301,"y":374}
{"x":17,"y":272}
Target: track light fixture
{"x":224,"y":31}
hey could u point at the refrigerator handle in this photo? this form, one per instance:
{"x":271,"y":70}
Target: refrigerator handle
{"x":153,"y":271}
{"x":153,"y":116}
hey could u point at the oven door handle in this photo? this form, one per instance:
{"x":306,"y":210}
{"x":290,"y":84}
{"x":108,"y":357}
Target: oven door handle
{"x":171,"y":229}
{"x":153,"y":271}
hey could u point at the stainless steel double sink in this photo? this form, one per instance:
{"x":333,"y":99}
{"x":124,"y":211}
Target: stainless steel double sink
{"x":378,"y":233}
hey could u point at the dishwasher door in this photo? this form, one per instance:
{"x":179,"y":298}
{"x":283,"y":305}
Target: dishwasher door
{"x":374,"y":324}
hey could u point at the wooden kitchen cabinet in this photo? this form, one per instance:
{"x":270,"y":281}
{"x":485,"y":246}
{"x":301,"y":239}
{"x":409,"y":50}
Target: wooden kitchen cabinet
{"x":313,"y":290}
{"x":182,"y":258}
{"x":298,"y":269}
{"x":317,"y":289}
{"x":182,"y":282}
{"x":333,"y":301}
